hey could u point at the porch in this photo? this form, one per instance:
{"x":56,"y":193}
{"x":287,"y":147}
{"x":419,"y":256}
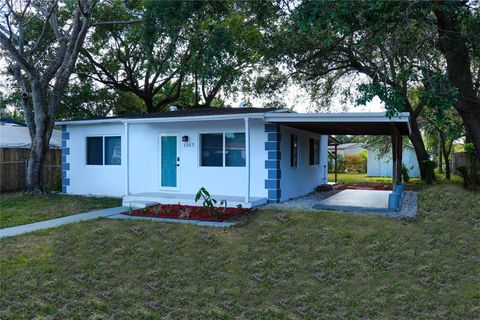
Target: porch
{"x":141,"y":200}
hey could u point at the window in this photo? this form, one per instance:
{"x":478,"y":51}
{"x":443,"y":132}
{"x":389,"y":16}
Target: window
{"x":223,"y":149}
{"x":314,"y":147}
{"x":104,"y":151}
{"x":293,"y":151}
{"x":235,"y":149}
{"x":94,"y":150}
{"x":212,"y":149}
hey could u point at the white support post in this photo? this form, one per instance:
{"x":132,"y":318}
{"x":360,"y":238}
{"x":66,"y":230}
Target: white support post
{"x":127,"y":191}
{"x":247,"y":159}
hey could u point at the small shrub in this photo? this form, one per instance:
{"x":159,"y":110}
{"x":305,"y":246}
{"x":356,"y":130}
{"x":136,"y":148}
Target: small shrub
{"x":463,"y":171}
{"x":405,"y":175}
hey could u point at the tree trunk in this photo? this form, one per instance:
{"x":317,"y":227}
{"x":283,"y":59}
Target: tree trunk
{"x":445,"y":155}
{"x":439,"y":151}
{"x":420,"y":151}
{"x":44,"y":122}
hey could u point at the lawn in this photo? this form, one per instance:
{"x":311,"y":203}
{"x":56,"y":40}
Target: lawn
{"x":281,"y":265}
{"x":362,"y":177}
{"x":20,"y":208}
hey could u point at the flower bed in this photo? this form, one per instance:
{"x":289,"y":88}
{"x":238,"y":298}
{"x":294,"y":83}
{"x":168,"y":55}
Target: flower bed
{"x":174,"y":211}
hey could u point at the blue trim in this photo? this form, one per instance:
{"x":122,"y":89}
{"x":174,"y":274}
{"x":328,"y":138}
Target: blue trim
{"x":64,"y":174}
{"x":64,"y":158}
{"x":272,"y":164}
{"x":274,"y":174}
{"x":64,"y":143}
{"x":64,"y":128}
{"x":64,"y":189}
{"x":271,"y":127}
{"x":272,"y":184}
{"x":65,"y":182}
{"x":66,"y":166}
{"x":274,"y":155}
{"x":274,"y":136}
{"x":65,"y":151}
{"x":65,"y":135}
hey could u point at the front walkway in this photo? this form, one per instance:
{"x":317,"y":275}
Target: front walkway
{"x":26,"y":228}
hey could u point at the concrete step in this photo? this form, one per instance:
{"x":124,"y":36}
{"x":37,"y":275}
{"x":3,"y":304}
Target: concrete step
{"x":137,"y":204}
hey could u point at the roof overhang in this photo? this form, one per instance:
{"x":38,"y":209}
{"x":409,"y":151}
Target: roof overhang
{"x":366,"y":123}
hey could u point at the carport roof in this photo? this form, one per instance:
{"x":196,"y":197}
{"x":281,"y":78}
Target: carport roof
{"x":343,"y":123}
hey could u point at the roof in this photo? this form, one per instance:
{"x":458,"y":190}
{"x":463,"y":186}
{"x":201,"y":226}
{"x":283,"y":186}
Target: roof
{"x":182,"y":113}
{"x":350,"y":145}
{"x":12,"y":122}
{"x":365,"y":123}
{"x":19,"y":137}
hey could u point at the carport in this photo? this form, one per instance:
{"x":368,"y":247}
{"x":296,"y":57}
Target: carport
{"x":356,"y":124}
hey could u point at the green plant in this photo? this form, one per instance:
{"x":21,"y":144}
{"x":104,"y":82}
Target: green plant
{"x":210,"y":202}
{"x":224,"y":203}
{"x":158,"y":209}
{"x":405,"y":175}
{"x":130,"y":209}
{"x":185,"y":213}
{"x":239,"y":206}
{"x":430,"y":166}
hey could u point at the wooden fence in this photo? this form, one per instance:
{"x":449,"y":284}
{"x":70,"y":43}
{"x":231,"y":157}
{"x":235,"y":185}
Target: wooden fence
{"x":460,"y":159}
{"x":13,"y":165}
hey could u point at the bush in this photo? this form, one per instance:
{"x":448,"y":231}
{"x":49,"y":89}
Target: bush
{"x":464,"y":174}
{"x":405,"y":175}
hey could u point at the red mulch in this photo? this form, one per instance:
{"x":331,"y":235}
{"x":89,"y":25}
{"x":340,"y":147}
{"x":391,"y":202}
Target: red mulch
{"x":365,"y":186}
{"x":174,"y":211}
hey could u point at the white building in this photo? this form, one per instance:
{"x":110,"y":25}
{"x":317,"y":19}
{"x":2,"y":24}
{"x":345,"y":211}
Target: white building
{"x":348,"y":149}
{"x":247,"y":156}
{"x":382,"y":166}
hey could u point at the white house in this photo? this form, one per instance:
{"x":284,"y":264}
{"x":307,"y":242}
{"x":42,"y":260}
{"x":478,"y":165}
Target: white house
{"x":14,"y":135}
{"x":382,"y":166}
{"x":348,"y":149}
{"x":247,"y":156}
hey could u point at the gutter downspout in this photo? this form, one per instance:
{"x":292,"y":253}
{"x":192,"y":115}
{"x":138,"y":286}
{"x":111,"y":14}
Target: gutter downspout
{"x":127,"y":191}
{"x":247,"y":159}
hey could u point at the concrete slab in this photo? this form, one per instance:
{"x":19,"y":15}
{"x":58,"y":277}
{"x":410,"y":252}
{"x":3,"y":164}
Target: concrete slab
{"x":217,"y":224}
{"x":357,"y":201}
{"x":26,"y":228}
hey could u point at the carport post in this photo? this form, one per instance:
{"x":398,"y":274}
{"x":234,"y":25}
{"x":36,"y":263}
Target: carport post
{"x":247,"y":159}
{"x":336,"y":166}
{"x":396,"y":157}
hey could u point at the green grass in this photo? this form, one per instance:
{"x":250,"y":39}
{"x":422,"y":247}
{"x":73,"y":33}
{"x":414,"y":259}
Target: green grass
{"x":20,"y":208}
{"x":275,"y":265}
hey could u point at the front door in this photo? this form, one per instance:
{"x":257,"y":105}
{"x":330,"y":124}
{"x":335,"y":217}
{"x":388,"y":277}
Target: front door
{"x":169,"y":161}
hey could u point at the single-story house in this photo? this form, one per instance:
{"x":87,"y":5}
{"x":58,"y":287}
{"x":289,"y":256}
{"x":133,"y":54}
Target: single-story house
{"x":14,"y":135}
{"x":348,"y":149}
{"x":381,"y":166}
{"x":247,"y":156}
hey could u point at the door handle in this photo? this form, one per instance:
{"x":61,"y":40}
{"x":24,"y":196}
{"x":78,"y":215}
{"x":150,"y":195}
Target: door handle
{"x":178,"y":161}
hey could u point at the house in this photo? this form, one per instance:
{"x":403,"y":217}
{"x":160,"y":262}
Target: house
{"x":14,"y":135}
{"x":247,"y":156}
{"x":381,"y":166}
{"x":348,"y":149}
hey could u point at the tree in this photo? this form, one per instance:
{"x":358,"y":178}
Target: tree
{"x":459,"y":42}
{"x":42,"y":41}
{"x":331,"y":42}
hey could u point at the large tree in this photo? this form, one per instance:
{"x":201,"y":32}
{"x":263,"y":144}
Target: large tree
{"x":42,"y":41}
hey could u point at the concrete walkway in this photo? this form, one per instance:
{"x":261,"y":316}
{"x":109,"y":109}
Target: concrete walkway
{"x":26,"y":228}
{"x":357,"y":200}
{"x":217,"y":224}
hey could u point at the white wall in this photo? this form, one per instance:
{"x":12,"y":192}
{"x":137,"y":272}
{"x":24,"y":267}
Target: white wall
{"x":145,"y":162}
{"x":98,"y":180}
{"x":383,"y":167}
{"x":299,"y":181}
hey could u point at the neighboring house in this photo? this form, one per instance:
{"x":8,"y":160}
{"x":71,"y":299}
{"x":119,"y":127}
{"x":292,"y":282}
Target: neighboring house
{"x":247,"y":156}
{"x":382,"y":167}
{"x":15,"y":144}
{"x":348,"y":149}
{"x":14,"y":135}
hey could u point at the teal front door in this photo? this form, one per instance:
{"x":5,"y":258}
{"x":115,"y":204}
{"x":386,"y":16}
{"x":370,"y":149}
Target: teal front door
{"x":169,"y":161}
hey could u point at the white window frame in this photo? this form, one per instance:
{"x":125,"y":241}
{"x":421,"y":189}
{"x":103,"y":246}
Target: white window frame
{"x":223,"y":149}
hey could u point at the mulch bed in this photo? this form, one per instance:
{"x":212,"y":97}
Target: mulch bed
{"x":365,"y":186}
{"x":174,"y":211}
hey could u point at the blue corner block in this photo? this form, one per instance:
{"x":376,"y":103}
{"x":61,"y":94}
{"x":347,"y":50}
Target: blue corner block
{"x":64,"y":189}
{"x":64,"y":128}
{"x":65,"y":151}
{"x":65,"y":135}
{"x":65,"y":182}
{"x":64,"y":174}
{"x":272,"y":164}
{"x":65,"y":166}
{"x":273,"y":155}
{"x":271,"y":127}
{"x":64,"y":143}
{"x":274,"y":174}
{"x":274,"y":136}
{"x":274,"y":194}
{"x":272,"y":184}
{"x":272,"y":146}
{"x":64,"y":158}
